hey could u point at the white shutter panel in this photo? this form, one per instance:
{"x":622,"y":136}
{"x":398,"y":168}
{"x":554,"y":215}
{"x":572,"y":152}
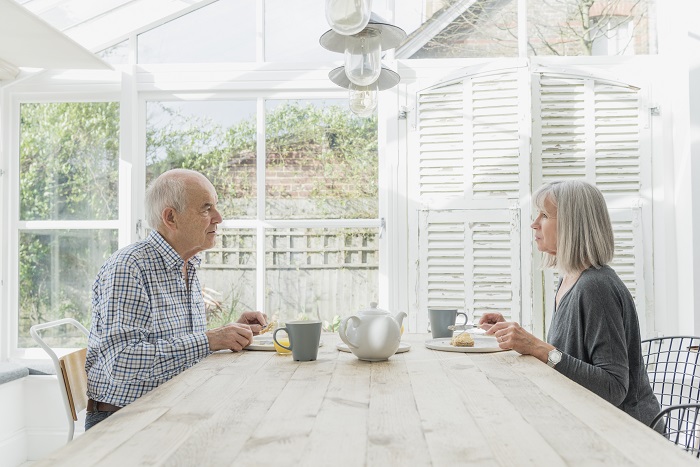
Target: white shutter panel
{"x":590,"y":130}
{"x":493,"y":136}
{"x":559,"y":142}
{"x":617,"y":141}
{"x":441,"y":171}
{"x":469,"y":140}
{"x":469,"y":259}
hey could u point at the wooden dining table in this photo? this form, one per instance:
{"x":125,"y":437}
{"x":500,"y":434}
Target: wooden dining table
{"x":421,"y":407}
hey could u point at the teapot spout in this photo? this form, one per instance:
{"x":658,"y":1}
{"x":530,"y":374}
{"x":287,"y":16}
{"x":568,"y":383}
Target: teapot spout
{"x":399,"y":317}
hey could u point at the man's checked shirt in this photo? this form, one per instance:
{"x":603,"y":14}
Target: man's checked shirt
{"x":146,"y":327}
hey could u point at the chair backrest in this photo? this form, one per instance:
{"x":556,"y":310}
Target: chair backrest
{"x":70,"y":370}
{"x":680,"y":426}
{"x":673,"y":366}
{"x":75,"y":380}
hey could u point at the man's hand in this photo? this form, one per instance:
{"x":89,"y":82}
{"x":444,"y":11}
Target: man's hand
{"x":233,"y":336}
{"x":255,"y":321}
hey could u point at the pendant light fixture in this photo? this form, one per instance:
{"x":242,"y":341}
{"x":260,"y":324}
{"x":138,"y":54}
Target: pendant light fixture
{"x":363,"y":99}
{"x":348,"y":17}
{"x":363,"y":68}
{"x":363,"y":57}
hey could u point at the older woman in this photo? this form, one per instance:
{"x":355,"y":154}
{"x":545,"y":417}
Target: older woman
{"x":594,"y":336}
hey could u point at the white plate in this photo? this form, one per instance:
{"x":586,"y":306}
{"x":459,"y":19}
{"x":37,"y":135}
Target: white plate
{"x":482,"y":344}
{"x":343,"y":347}
{"x":264,"y":342}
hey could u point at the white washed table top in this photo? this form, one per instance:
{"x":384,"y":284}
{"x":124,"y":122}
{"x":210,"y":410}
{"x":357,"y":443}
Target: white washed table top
{"x":422,"y":407}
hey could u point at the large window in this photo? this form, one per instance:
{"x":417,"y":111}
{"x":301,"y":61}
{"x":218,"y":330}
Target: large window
{"x":304,"y":247}
{"x":68,"y":201}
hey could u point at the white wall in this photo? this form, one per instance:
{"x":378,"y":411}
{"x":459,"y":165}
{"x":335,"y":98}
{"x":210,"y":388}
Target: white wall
{"x":677,"y":223}
{"x":33,"y":421}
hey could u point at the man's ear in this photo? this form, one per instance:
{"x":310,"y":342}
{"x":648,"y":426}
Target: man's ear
{"x":169,"y":218}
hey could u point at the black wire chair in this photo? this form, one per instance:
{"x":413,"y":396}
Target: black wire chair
{"x":673,"y":366}
{"x":680,"y":426}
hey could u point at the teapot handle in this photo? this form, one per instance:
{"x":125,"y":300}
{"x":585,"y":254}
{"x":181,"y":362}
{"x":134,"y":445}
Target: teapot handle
{"x":343,"y":326}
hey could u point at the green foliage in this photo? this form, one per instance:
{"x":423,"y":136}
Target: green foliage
{"x":69,"y":156}
{"x":221,"y":312}
{"x":333,"y":325}
{"x":327,"y":145}
{"x":68,"y":161}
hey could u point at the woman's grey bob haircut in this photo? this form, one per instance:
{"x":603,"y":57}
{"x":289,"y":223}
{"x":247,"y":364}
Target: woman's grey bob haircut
{"x":584,"y":232}
{"x":169,"y":190}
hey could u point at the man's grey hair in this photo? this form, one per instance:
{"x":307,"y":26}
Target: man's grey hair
{"x":584,"y":232}
{"x":166,"y":191}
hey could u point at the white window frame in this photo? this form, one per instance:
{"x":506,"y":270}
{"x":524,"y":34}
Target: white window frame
{"x":101,"y":87}
{"x":132,"y":87}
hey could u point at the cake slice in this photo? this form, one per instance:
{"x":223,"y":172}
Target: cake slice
{"x":462,"y":340}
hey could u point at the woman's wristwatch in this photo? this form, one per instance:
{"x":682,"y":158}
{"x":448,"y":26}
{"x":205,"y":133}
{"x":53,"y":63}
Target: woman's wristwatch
{"x":553,"y":357}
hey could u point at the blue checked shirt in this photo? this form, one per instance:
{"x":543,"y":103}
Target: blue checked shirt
{"x":146,"y":327}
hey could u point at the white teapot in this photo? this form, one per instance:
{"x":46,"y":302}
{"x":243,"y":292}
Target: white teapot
{"x":372,"y":334}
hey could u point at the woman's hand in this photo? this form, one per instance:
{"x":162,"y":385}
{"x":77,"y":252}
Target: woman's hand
{"x":511,"y":335}
{"x":255,"y":320}
{"x":489,"y":319}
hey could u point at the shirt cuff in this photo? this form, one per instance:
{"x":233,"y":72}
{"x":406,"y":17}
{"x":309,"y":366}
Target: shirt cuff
{"x":199,"y":346}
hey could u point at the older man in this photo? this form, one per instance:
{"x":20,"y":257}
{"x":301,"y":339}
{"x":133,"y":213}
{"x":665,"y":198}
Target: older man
{"x":148,"y":321}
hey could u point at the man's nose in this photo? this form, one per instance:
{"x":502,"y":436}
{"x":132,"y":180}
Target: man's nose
{"x":217,"y":219}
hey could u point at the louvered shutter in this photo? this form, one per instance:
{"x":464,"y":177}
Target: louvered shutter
{"x":469,"y":181}
{"x":469,"y":259}
{"x":474,"y":155}
{"x":441,"y":156}
{"x":590,"y":130}
{"x":469,"y":141}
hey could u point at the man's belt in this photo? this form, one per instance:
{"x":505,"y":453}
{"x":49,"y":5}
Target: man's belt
{"x":97,"y":406}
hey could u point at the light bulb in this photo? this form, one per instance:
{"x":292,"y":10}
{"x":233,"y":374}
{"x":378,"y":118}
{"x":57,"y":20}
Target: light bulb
{"x":348,"y":17}
{"x":363,"y":99}
{"x":363,"y":57}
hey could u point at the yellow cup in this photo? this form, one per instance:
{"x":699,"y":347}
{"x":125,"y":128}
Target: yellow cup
{"x":284,"y":340}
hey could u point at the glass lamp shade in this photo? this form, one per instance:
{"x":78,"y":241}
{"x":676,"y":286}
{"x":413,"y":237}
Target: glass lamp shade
{"x":348,"y":17}
{"x":363,"y":57}
{"x":363,"y":100}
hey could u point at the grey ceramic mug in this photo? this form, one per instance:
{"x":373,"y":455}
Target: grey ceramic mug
{"x":304,"y":339}
{"x":440,"y":318}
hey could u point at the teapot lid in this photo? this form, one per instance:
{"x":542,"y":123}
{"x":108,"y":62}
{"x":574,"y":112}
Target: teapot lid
{"x":373,"y":310}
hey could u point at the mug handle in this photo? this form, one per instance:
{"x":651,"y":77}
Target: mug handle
{"x":274,"y":338}
{"x":466,"y":318}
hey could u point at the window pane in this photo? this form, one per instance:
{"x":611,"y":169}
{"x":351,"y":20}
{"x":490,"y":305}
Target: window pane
{"x":481,"y":28}
{"x":227,"y":276}
{"x":292,"y":31}
{"x":320,"y":273}
{"x":223,"y":31}
{"x":608,"y":27}
{"x":69,"y":155}
{"x":321,"y":161}
{"x":117,"y":54}
{"x":217,"y":138}
{"x":56,"y":273}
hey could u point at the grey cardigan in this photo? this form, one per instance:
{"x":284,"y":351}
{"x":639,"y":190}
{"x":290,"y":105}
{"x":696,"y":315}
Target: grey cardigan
{"x":597,"y":329}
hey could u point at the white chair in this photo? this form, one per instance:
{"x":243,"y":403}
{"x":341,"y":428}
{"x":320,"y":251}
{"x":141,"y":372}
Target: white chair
{"x":70,"y":370}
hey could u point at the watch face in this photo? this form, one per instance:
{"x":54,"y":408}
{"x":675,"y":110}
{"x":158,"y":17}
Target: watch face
{"x":554,"y":356}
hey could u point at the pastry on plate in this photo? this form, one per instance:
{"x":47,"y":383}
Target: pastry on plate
{"x":462,"y":340}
